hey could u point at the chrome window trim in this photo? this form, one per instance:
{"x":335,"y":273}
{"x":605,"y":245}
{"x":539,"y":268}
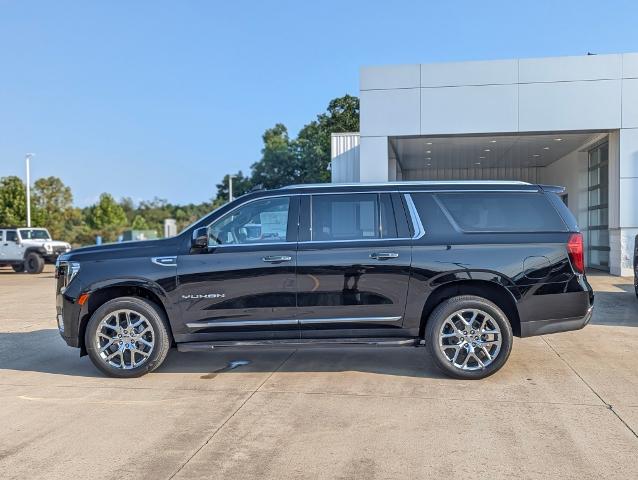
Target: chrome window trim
{"x":419,"y":231}
{"x":358,"y":240}
{"x":227,"y":245}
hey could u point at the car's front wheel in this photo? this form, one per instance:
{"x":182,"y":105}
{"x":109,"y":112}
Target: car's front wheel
{"x":127,"y":337}
{"x":468,"y":337}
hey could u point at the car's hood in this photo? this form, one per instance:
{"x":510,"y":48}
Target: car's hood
{"x":143,"y":248}
{"x":53,"y":243}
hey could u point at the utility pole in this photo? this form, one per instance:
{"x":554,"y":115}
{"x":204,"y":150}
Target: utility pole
{"x":27,"y":159}
{"x":230,"y":187}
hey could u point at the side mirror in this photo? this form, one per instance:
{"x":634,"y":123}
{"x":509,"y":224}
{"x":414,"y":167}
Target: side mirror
{"x":200,"y":238}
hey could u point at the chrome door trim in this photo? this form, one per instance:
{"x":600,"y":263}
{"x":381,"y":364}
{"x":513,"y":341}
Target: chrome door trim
{"x":383,"y":255}
{"x":276,"y":258}
{"x":419,"y":231}
{"x":349,"y":320}
{"x":270,"y":323}
{"x":241,"y":323}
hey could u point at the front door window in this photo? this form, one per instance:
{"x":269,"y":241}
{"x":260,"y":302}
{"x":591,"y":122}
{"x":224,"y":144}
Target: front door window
{"x":258,"y":222}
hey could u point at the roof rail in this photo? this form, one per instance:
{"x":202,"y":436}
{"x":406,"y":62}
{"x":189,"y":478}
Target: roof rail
{"x":408,"y":183}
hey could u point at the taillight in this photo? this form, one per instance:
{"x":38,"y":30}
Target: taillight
{"x":576,"y":252}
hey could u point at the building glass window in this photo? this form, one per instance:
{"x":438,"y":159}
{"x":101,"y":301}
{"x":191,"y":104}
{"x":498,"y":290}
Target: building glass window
{"x":598,"y":208}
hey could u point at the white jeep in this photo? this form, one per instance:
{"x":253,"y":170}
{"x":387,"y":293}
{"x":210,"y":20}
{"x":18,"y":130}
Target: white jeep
{"x":28,"y":249}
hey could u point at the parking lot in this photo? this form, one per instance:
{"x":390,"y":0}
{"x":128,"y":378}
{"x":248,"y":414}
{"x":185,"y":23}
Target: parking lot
{"x":565,"y":406}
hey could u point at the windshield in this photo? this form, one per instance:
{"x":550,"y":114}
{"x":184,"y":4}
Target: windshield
{"x":34,"y":234}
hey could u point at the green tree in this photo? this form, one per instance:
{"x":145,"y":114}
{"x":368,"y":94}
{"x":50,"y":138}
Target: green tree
{"x":106,"y":217}
{"x":128,"y":205}
{"x":278,"y":165}
{"x":305,"y":159}
{"x":313,"y":142}
{"x":241,"y":185}
{"x":13,"y":198}
{"x":54,"y":202}
{"x":139,"y":223}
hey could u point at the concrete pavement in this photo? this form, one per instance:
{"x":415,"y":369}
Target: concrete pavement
{"x":565,"y":406}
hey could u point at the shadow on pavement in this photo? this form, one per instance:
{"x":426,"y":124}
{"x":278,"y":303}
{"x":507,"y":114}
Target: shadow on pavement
{"x":45,"y":352}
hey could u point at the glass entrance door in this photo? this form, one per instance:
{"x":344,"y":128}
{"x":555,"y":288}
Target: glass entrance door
{"x":598,"y":208}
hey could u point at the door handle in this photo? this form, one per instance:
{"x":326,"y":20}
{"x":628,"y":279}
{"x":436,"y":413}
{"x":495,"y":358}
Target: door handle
{"x":277,"y":258}
{"x":384,"y":255}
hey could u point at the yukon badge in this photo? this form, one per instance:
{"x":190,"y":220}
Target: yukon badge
{"x":199,"y":296}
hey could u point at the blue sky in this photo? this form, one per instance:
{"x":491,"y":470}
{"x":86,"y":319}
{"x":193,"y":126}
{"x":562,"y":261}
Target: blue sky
{"x":159,"y":98}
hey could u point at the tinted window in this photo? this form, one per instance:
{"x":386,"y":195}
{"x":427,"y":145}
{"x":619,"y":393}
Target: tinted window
{"x":12,"y":236}
{"x":501,"y":212}
{"x":388,"y":220}
{"x":345,"y":217}
{"x":261,"y":221}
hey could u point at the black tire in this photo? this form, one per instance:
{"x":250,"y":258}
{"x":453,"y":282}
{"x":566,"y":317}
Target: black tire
{"x":33,"y":263}
{"x":161,"y":332}
{"x":18,"y":268}
{"x":435,"y":325}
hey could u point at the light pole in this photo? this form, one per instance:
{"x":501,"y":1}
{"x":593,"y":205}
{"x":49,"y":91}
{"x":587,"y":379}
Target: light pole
{"x":230,"y":187}
{"x":27,"y":159}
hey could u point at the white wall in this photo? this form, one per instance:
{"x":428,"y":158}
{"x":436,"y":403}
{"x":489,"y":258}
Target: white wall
{"x":502,"y":96}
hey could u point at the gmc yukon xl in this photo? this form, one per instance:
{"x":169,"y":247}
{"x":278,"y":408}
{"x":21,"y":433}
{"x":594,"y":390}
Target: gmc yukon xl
{"x":459,"y":268}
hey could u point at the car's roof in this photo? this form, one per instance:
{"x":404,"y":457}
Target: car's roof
{"x":414,"y":185}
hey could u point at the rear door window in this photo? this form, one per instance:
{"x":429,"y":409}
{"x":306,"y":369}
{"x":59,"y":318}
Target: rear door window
{"x":501,"y":212}
{"x":12,"y":236}
{"x":345,"y":217}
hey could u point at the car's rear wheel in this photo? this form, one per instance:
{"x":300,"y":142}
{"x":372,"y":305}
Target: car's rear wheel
{"x":33,"y":263}
{"x":468,"y":337}
{"x":18,"y":268}
{"x":127,"y":337}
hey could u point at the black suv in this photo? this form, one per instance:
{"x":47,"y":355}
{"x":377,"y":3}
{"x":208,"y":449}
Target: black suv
{"x":457,"y":267}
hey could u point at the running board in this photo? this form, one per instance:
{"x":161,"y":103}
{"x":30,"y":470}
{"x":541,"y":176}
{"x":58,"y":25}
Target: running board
{"x":299,"y":343}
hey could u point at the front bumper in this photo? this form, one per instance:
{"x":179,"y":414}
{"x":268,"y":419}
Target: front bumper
{"x":68,"y":314}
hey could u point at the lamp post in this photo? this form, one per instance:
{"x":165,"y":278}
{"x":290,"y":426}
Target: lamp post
{"x":230,"y":187}
{"x":27,"y":159}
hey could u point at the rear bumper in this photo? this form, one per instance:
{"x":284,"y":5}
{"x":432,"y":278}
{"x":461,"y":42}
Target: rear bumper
{"x":543,"y":327}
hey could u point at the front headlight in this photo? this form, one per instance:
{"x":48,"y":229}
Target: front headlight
{"x":48,"y":247}
{"x":72,"y":271}
{"x":66,"y":270}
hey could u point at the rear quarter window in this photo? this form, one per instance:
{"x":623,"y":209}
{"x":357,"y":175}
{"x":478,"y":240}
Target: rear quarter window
{"x":501,"y":212}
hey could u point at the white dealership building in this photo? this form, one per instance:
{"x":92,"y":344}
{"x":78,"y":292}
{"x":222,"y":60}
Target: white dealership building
{"x":570,"y":121}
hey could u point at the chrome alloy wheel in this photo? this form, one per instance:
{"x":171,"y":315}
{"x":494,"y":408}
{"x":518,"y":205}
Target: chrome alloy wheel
{"x":125,"y":339}
{"x":470,"y":339}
